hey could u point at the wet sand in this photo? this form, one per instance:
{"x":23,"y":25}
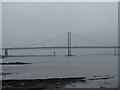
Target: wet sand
{"x":40,"y":83}
{"x":51,"y":83}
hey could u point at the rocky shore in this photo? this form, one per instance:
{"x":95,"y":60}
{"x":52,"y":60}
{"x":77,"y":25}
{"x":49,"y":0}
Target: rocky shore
{"x":51,"y":83}
{"x":47,"y":84}
{"x":14,"y":63}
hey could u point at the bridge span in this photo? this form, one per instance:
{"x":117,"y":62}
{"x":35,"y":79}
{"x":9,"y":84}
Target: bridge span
{"x":68,"y":47}
{"x":59,"y":47}
{"x":56,"y":47}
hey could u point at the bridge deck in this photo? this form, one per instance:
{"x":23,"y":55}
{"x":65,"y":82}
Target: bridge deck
{"x":60,"y":47}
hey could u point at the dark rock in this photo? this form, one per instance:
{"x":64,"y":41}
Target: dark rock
{"x":14,"y":63}
{"x":82,"y":80}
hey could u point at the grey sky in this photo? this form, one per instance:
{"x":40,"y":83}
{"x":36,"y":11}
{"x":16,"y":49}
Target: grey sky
{"x":28,"y":23}
{"x":0,"y":26}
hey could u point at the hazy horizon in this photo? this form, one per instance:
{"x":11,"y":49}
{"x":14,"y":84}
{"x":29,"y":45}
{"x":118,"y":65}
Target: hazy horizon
{"x":29,"y":23}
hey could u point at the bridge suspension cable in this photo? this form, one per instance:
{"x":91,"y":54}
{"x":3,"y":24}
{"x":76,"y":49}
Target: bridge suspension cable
{"x":48,"y":40}
{"x":90,"y":40}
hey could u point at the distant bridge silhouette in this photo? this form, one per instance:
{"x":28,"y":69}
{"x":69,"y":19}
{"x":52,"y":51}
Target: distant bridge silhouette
{"x":68,"y":47}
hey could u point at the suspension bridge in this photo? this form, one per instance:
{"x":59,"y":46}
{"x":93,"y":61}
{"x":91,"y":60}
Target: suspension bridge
{"x":68,"y":47}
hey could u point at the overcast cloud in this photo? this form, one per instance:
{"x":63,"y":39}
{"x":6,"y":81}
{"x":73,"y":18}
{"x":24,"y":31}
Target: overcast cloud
{"x":28,"y":23}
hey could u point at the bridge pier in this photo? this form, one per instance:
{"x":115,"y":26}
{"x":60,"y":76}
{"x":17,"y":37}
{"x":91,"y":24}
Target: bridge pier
{"x":6,"y":52}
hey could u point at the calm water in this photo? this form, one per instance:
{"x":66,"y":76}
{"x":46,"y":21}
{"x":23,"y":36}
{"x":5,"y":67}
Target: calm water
{"x":62,"y":66}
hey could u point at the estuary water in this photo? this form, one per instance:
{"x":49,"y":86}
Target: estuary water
{"x":61,"y":66}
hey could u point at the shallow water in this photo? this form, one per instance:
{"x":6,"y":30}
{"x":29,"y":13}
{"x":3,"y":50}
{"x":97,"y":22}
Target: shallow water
{"x":61,"y":66}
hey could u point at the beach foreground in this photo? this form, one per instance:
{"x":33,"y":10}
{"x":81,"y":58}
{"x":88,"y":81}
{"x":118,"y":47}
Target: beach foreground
{"x":55,"y":83}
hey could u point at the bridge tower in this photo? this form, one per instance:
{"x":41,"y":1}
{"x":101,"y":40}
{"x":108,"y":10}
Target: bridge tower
{"x":6,"y":52}
{"x":69,"y":44}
